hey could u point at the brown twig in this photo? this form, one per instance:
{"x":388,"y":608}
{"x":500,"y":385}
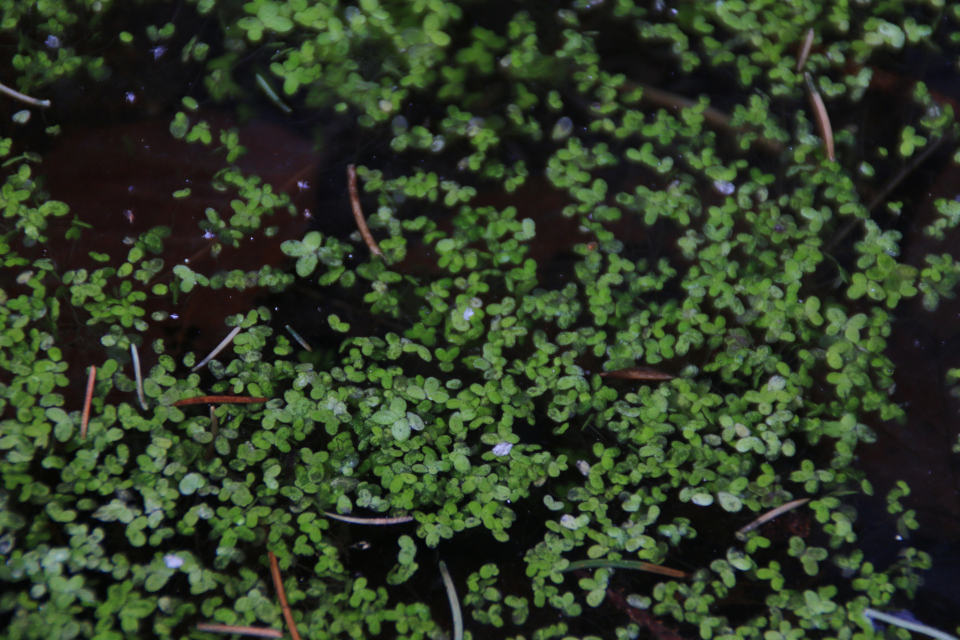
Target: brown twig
{"x":823,"y":120}
{"x":358,"y":212}
{"x":220,"y":400}
{"x":258,"y":632}
{"x":770,"y":515}
{"x":379,"y":521}
{"x":91,"y":379}
{"x":284,"y":606}
{"x":638,"y":373}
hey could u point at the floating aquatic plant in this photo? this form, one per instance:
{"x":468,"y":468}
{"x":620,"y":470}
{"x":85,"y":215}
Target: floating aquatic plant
{"x":597,"y":325}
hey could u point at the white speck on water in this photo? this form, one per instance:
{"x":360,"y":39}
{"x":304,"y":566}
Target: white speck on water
{"x":172,"y":561}
{"x":208,"y":234}
{"x":724,"y":187}
{"x":502,"y":449}
{"x":52,"y":41}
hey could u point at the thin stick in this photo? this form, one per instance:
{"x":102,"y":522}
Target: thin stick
{"x":136,"y":374}
{"x":380,"y":521}
{"x":296,"y":336}
{"x":215,"y":431}
{"x":258,"y":632}
{"x":770,"y":515}
{"x":13,"y":93}
{"x":220,"y":347}
{"x":823,"y":120}
{"x":910,"y":626}
{"x":454,"y":602}
{"x":91,"y":379}
{"x":805,"y":51}
{"x":220,"y":400}
{"x":284,"y":606}
{"x":358,"y":212}
{"x":625,"y":564}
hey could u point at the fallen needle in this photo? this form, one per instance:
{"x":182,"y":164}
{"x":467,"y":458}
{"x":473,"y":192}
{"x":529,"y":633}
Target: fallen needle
{"x":284,"y":605}
{"x":358,"y":212}
{"x":91,"y":379}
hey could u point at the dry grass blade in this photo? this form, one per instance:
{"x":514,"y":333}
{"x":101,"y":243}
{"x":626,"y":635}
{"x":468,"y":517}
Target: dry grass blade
{"x":257,"y":632}
{"x":284,"y":606}
{"x":823,"y":120}
{"x":454,"y":602}
{"x":13,"y":93}
{"x":358,"y":212}
{"x":638,"y":373}
{"x":296,"y":336}
{"x":805,"y":51}
{"x":136,"y":374}
{"x":220,"y":400}
{"x":377,"y":521}
{"x":91,"y":379}
{"x":220,"y":347}
{"x":770,"y":515}
{"x":636,"y":565}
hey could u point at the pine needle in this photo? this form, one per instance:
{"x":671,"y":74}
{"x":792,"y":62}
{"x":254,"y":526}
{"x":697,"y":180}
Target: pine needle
{"x":13,"y":93}
{"x":378,"y":521}
{"x":454,"y":602}
{"x":220,"y":400}
{"x":358,"y":213}
{"x":805,"y":51}
{"x":296,"y":336}
{"x":136,"y":374}
{"x":214,"y":431}
{"x":257,"y":632}
{"x":823,"y":120}
{"x":284,"y":606}
{"x":638,"y":373}
{"x":770,"y":515}
{"x":626,"y":564}
{"x":906,"y":624}
{"x":91,"y":379}
{"x":220,"y":347}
